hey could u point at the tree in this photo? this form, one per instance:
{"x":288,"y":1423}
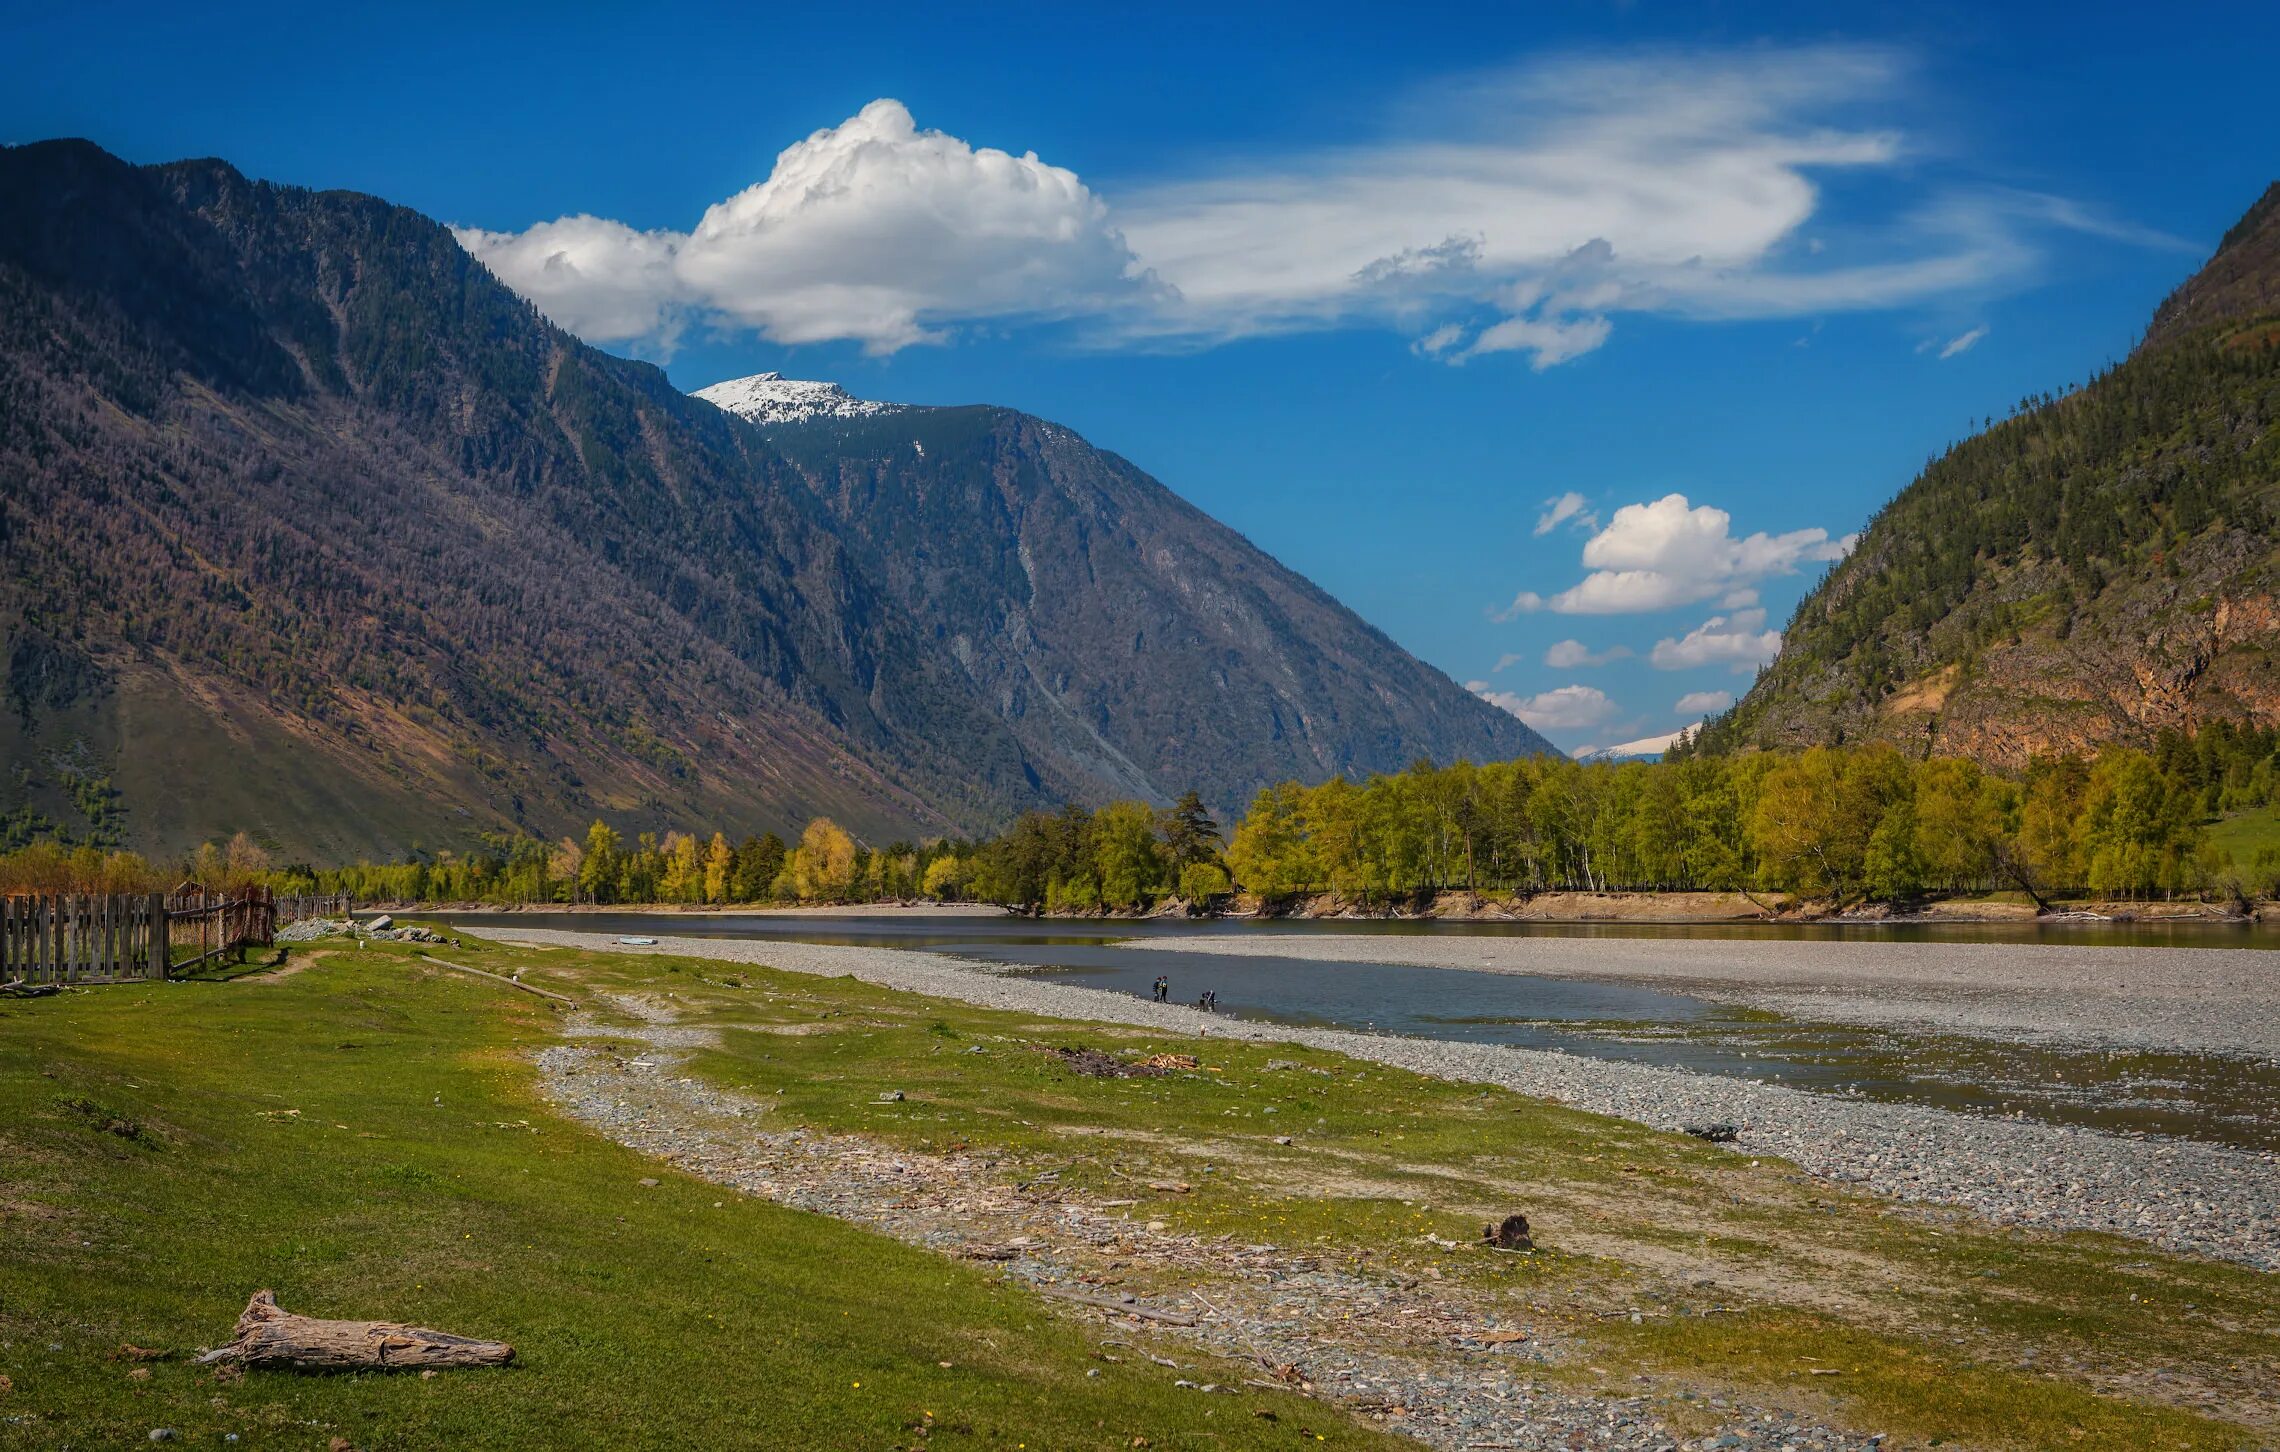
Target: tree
{"x":944,"y":879}
{"x":684,"y":874}
{"x":1130,"y":864}
{"x":1960,"y":822}
{"x":822,"y":867}
{"x":598,"y":870}
{"x":1270,"y":854}
{"x":720,"y":869}
{"x":758,"y":861}
{"x":1190,"y":835}
{"x":1202,"y":883}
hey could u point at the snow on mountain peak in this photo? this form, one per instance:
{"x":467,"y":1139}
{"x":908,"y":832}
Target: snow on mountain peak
{"x":768,"y":398}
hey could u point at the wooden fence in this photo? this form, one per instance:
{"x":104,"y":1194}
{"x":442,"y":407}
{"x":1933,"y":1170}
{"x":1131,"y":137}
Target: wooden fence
{"x":86,"y":937}
{"x":205,"y":927}
{"x":74,"y":937}
{"x":294,"y":908}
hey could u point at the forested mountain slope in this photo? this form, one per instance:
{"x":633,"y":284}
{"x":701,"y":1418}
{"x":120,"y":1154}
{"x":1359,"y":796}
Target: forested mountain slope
{"x":311,"y":526}
{"x":2097,"y":567}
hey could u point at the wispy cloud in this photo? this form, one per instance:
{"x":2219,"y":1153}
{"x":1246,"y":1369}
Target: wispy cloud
{"x":1568,"y":654}
{"x":1569,"y":508}
{"x":1520,"y":210}
{"x":1963,"y":342}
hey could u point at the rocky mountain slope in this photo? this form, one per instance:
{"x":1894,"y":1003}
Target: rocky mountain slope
{"x":312,"y":527}
{"x":1114,"y":625}
{"x":2098,"y":567}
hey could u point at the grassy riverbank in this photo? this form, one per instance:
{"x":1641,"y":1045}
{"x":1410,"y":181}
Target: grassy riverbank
{"x":363,"y":1137}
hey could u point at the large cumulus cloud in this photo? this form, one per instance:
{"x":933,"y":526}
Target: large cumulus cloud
{"x":872,"y":230}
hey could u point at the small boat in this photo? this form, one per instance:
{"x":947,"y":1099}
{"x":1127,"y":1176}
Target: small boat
{"x":639,"y":942}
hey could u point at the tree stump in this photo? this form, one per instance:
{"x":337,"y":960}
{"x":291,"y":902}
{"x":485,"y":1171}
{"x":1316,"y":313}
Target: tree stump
{"x":268,"y":1336}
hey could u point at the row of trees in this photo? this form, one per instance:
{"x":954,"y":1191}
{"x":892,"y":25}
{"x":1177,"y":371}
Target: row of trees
{"x":603,"y":866}
{"x":1838,"y":824}
{"x":1832,"y":823}
{"x":49,"y":865}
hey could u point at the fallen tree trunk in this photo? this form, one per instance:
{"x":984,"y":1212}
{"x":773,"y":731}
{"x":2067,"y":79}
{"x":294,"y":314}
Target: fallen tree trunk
{"x":273,"y":1337}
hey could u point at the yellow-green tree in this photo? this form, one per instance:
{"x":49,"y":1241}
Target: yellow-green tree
{"x":822,"y":867}
{"x":720,"y":868}
{"x":598,"y":870}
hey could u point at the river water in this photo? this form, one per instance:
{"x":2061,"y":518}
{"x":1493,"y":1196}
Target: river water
{"x":2210,"y":1097}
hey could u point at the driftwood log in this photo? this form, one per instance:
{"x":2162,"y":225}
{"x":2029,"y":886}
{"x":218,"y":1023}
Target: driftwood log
{"x":270,"y":1336}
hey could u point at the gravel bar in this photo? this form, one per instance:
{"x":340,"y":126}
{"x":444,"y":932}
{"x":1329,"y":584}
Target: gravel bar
{"x":1411,"y":1355}
{"x":2199,"y":1199}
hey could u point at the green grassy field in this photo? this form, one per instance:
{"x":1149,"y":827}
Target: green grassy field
{"x":2246,"y":834}
{"x":362,"y":1137}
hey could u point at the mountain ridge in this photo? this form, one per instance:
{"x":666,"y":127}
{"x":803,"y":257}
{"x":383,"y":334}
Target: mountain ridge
{"x":2099,"y":567}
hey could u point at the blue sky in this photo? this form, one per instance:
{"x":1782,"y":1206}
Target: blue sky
{"x":1379,"y":289}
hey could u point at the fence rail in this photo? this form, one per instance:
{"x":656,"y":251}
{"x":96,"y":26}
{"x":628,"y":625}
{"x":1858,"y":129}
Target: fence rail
{"x":87,"y":937}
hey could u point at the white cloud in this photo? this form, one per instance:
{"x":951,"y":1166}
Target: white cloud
{"x":1963,"y":342}
{"x":1527,"y":602}
{"x":1567,"y":654}
{"x":600,"y":279}
{"x":872,"y":230}
{"x":1569,"y":508}
{"x":1670,"y":552}
{"x":1702,"y":703}
{"x":1565,"y":708}
{"x":1517,"y":210}
{"x":1548,"y":343}
{"x":1739,"y":640}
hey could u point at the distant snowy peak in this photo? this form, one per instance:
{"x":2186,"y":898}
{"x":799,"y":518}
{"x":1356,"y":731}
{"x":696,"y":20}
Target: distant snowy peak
{"x":1632,"y":750}
{"x":770,"y":398}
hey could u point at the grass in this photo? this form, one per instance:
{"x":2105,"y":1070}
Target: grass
{"x":361,"y":1138}
{"x":2245,"y":834}
{"x":418,"y":1180}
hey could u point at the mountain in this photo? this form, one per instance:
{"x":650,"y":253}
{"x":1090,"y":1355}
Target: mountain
{"x":314,"y":528}
{"x":1115,"y":626}
{"x":2098,"y":567}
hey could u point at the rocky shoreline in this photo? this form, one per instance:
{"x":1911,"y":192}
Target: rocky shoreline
{"x":2193,"y":1198}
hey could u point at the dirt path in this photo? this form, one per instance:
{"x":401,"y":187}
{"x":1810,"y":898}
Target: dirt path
{"x":1416,"y":1354}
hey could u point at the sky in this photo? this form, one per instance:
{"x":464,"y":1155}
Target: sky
{"x":1567,"y":344}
